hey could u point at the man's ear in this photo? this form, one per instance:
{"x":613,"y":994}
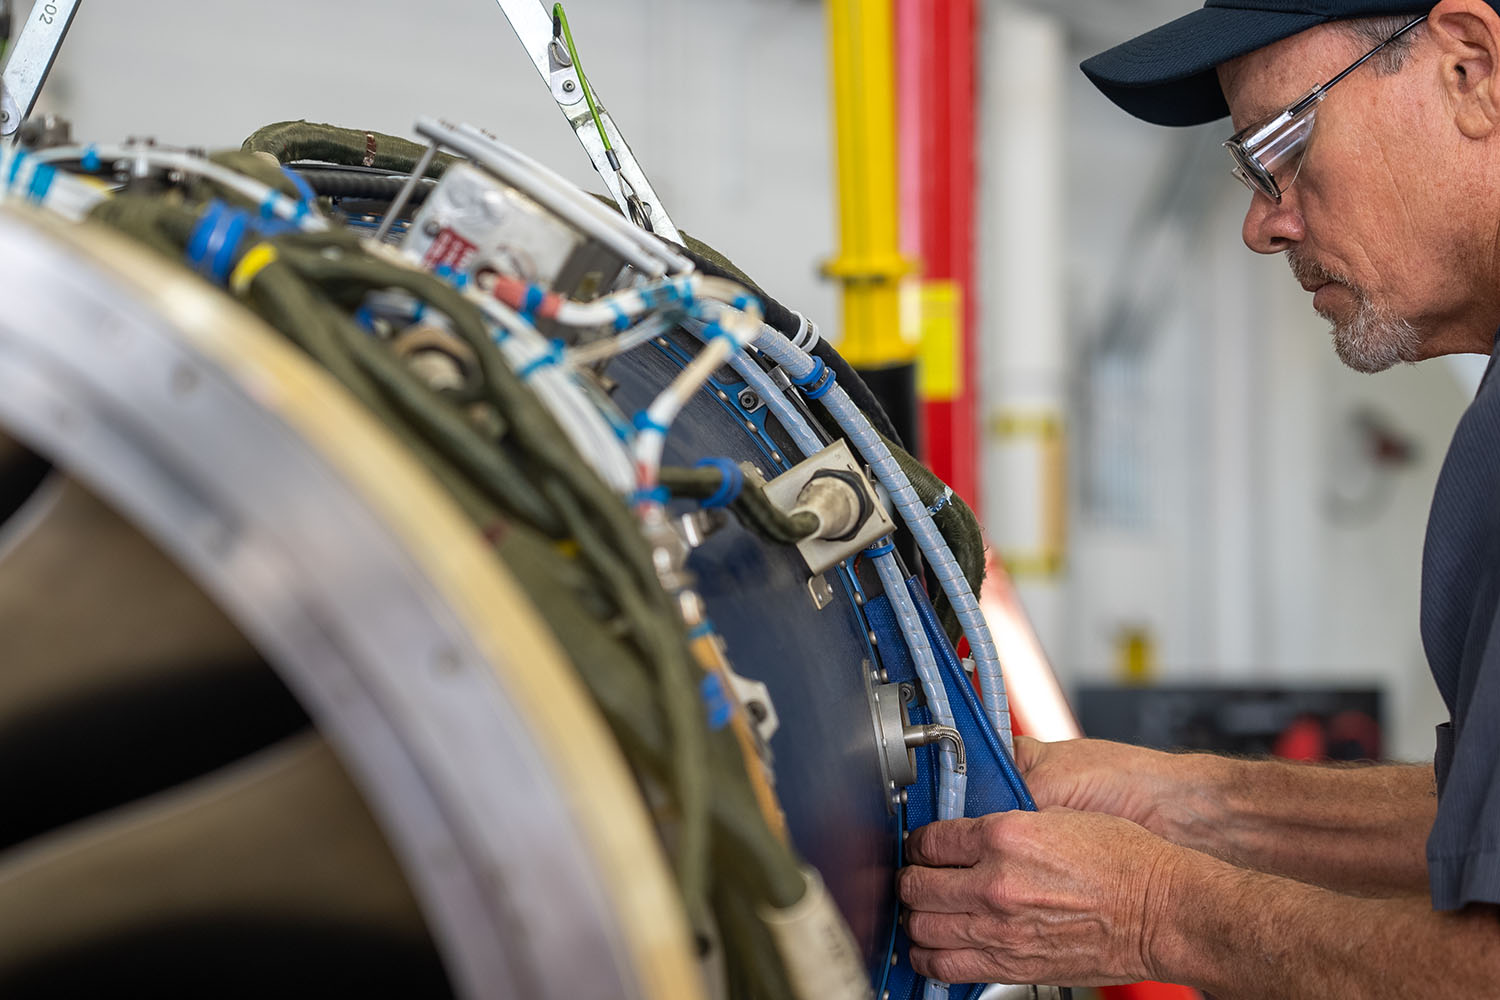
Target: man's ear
{"x":1467,"y":33}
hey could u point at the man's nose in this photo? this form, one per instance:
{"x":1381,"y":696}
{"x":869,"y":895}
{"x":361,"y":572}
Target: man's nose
{"x":1271,"y":227}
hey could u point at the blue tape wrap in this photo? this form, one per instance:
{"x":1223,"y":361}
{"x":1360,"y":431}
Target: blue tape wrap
{"x":644,"y":422}
{"x":731,"y":486}
{"x":228,"y":236}
{"x":41,"y":182}
{"x":534,"y":299}
{"x":622,"y":321}
{"x":197,"y":245}
{"x":719,"y":709}
{"x":15,"y":166}
{"x":552,"y":358}
{"x":657,"y":494}
{"x":701,"y":630}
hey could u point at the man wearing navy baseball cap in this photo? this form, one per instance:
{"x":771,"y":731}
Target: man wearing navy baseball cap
{"x":1368,"y":133}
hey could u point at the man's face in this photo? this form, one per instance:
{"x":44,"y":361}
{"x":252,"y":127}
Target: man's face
{"x":1375,"y":224}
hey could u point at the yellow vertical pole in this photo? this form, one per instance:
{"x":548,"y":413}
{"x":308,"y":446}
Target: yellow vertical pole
{"x":869,"y":262}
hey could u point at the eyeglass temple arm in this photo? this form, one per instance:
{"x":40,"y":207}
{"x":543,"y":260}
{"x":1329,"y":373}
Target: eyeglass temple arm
{"x":1317,"y":95}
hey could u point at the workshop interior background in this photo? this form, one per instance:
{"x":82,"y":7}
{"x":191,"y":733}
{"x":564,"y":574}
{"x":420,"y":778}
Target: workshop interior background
{"x":1240,"y":512}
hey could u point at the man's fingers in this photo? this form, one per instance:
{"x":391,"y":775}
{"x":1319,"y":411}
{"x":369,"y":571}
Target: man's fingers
{"x":943,"y":931}
{"x":955,"y":966}
{"x":952,"y":843}
{"x":939,"y":890}
{"x":1028,"y":751}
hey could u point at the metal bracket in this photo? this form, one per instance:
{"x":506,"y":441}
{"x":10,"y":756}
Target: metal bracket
{"x":533,"y":26}
{"x":821,"y":590}
{"x":898,"y":765}
{"x":31,"y":60}
{"x":786,"y":490}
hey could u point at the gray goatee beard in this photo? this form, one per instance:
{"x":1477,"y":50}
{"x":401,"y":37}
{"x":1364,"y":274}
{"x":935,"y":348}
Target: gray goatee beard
{"x":1374,"y":338}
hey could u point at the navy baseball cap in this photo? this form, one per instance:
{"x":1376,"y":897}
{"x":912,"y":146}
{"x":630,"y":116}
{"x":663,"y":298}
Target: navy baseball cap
{"x":1167,"y":76}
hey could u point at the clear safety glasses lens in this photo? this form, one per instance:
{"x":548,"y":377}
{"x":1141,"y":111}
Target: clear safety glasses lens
{"x":1268,"y":155}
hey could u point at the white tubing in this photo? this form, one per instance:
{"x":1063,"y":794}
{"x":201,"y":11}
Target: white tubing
{"x":279,"y":204}
{"x":934,"y":547}
{"x":952,"y":784}
{"x":737,"y":329}
{"x":577,"y":414}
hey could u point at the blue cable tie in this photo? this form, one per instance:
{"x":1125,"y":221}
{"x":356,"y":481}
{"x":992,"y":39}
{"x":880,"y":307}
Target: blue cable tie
{"x":812,"y":376}
{"x":91,"y":159}
{"x":821,"y":389}
{"x":701,"y":630}
{"x":659,"y":495}
{"x":300,"y":183}
{"x":622,"y":321}
{"x":876,"y":551}
{"x":41,"y":181}
{"x":534,"y":299}
{"x":234,"y":231}
{"x":197,"y":247}
{"x":15,"y":166}
{"x":744,"y":302}
{"x":420,"y":311}
{"x":268,"y":206}
{"x":719,"y":709}
{"x":622,"y":430}
{"x":942,"y":501}
{"x":443,"y":271}
{"x":644,"y":422}
{"x":365,"y":318}
{"x":731,"y":486}
{"x":713,"y":332}
{"x":213,"y":245}
{"x":553,"y":357}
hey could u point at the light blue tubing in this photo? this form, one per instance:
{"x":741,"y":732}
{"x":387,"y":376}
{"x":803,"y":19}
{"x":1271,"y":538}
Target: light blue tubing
{"x":799,"y":365}
{"x":952,"y":785}
{"x":803,"y":436}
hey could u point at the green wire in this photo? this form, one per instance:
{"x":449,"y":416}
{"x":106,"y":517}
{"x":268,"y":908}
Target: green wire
{"x":560,"y":26}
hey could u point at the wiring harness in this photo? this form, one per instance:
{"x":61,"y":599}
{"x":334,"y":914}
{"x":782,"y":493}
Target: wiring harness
{"x":570,"y":492}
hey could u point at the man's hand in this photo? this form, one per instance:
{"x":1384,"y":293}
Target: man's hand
{"x":1169,"y":794}
{"x":1058,"y":897}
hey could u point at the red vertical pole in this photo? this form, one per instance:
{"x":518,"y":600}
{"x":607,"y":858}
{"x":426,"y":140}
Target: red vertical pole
{"x":936,"y":45}
{"x":936,"y":87}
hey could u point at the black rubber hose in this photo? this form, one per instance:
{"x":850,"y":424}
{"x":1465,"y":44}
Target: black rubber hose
{"x":332,"y":183}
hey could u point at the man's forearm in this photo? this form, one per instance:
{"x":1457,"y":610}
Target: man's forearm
{"x":1356,"y":829}
{"x":1242,"y":934}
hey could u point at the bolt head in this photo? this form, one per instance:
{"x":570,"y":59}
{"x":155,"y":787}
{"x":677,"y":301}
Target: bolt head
{"x":4,"y":116}
{"x":569,"y":86}
{"x":748,"y":399}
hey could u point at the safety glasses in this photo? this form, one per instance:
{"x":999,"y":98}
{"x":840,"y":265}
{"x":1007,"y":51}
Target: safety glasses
{"x":1268,"y":155}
